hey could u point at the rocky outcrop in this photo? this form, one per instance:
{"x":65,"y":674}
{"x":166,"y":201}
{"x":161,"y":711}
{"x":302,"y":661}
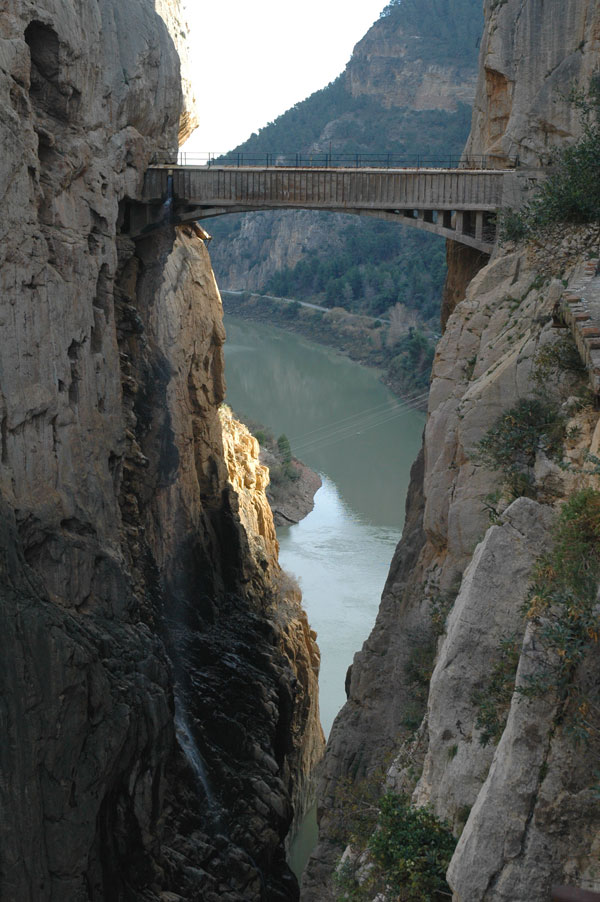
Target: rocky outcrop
{"x":136,"y":607}
{"x":396,"y":66}
{"x":456,"y":764}
{"x":532,"y":55}
{"x":293,"y":499}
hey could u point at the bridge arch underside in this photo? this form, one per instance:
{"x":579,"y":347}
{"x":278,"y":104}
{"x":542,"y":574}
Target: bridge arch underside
{"x":475,"y":228}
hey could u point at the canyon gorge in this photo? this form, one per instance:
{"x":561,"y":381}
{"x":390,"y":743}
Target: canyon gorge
{"x":159,"y":677}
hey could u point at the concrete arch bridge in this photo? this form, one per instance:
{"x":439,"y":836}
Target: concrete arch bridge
{"x":456,"y":203}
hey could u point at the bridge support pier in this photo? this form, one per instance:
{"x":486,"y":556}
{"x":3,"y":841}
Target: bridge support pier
{"x":479,"y":225}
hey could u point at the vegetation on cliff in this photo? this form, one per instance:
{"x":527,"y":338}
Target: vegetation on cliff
{"x":397,"y":849}
{"x":292,"y":485}
{"x":571,"y":193}
{"x":453,"y":29}
{"x":563,"y":603}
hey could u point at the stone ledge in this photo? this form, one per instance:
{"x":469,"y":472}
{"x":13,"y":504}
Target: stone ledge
{"x":579,"y":310}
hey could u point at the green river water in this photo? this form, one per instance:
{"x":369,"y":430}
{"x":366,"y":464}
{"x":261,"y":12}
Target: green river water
{"x":343,"y":423}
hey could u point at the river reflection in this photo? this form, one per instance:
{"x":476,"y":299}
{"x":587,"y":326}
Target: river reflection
{"x":342,"y":564}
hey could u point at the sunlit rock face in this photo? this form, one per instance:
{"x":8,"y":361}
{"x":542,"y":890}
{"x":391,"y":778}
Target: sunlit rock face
{"x":395,"y":65}
{"x":129,"y":583}
{"x":532,"y":57}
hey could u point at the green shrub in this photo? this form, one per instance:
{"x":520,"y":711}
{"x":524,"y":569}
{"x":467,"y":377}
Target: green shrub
{"x":409,"y":852}
{"x":285,"y":451}
{"x":418,"y":670}
{"x":556,"y":358}
{"x":493,"y":700}
{"x":441,"y":603}
{"x":412,"y":360}
{"x":571,"y":193}
{"x":563,"y":602}
{"x":511,"y":444}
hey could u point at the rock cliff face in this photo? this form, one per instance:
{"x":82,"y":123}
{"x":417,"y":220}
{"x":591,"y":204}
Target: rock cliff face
{"x":395,"y":65}
{"x":523,"y":808}
{"x":138,"y":605}
{"x":532,"y":54}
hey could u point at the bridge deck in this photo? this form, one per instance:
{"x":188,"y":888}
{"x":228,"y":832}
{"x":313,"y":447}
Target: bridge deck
{"x":455,"y":203}
{"x":435,"y":189}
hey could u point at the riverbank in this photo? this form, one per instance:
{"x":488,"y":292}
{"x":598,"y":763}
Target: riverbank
{"x":403,"y":355}
{"x":291,"y":500}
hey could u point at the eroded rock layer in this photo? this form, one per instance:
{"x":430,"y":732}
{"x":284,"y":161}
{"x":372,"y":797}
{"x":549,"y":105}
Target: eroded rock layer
{"x":158,"y":680}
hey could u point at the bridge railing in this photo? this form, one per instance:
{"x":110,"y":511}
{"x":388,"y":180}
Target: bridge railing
{"x":323,"y":160}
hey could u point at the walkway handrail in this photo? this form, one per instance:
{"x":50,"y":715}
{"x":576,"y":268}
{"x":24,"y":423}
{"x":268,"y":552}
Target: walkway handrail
{"x":573,"y":894}
{"x":323,"y":160}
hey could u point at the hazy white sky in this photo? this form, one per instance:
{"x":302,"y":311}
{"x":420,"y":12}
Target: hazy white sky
{"x":253,"y":59}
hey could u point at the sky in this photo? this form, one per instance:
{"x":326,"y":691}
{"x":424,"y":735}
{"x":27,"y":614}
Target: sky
{"x":252,"y":60}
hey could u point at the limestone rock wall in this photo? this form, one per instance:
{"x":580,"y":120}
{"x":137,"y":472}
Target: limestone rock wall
{"x":157,"y":682}
{"x":532,"y":54}
{"x":518,"y":832}
{"x":395,"y":65}
{"x":523,"y":809}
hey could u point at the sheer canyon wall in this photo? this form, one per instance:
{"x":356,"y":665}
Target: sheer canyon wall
{"x":158,"y":677}
{"x":524,"y":803}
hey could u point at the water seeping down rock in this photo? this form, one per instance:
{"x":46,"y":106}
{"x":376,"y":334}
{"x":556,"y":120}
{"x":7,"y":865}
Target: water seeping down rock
{"x":158,"y":703}
{"x":524,"y":806}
